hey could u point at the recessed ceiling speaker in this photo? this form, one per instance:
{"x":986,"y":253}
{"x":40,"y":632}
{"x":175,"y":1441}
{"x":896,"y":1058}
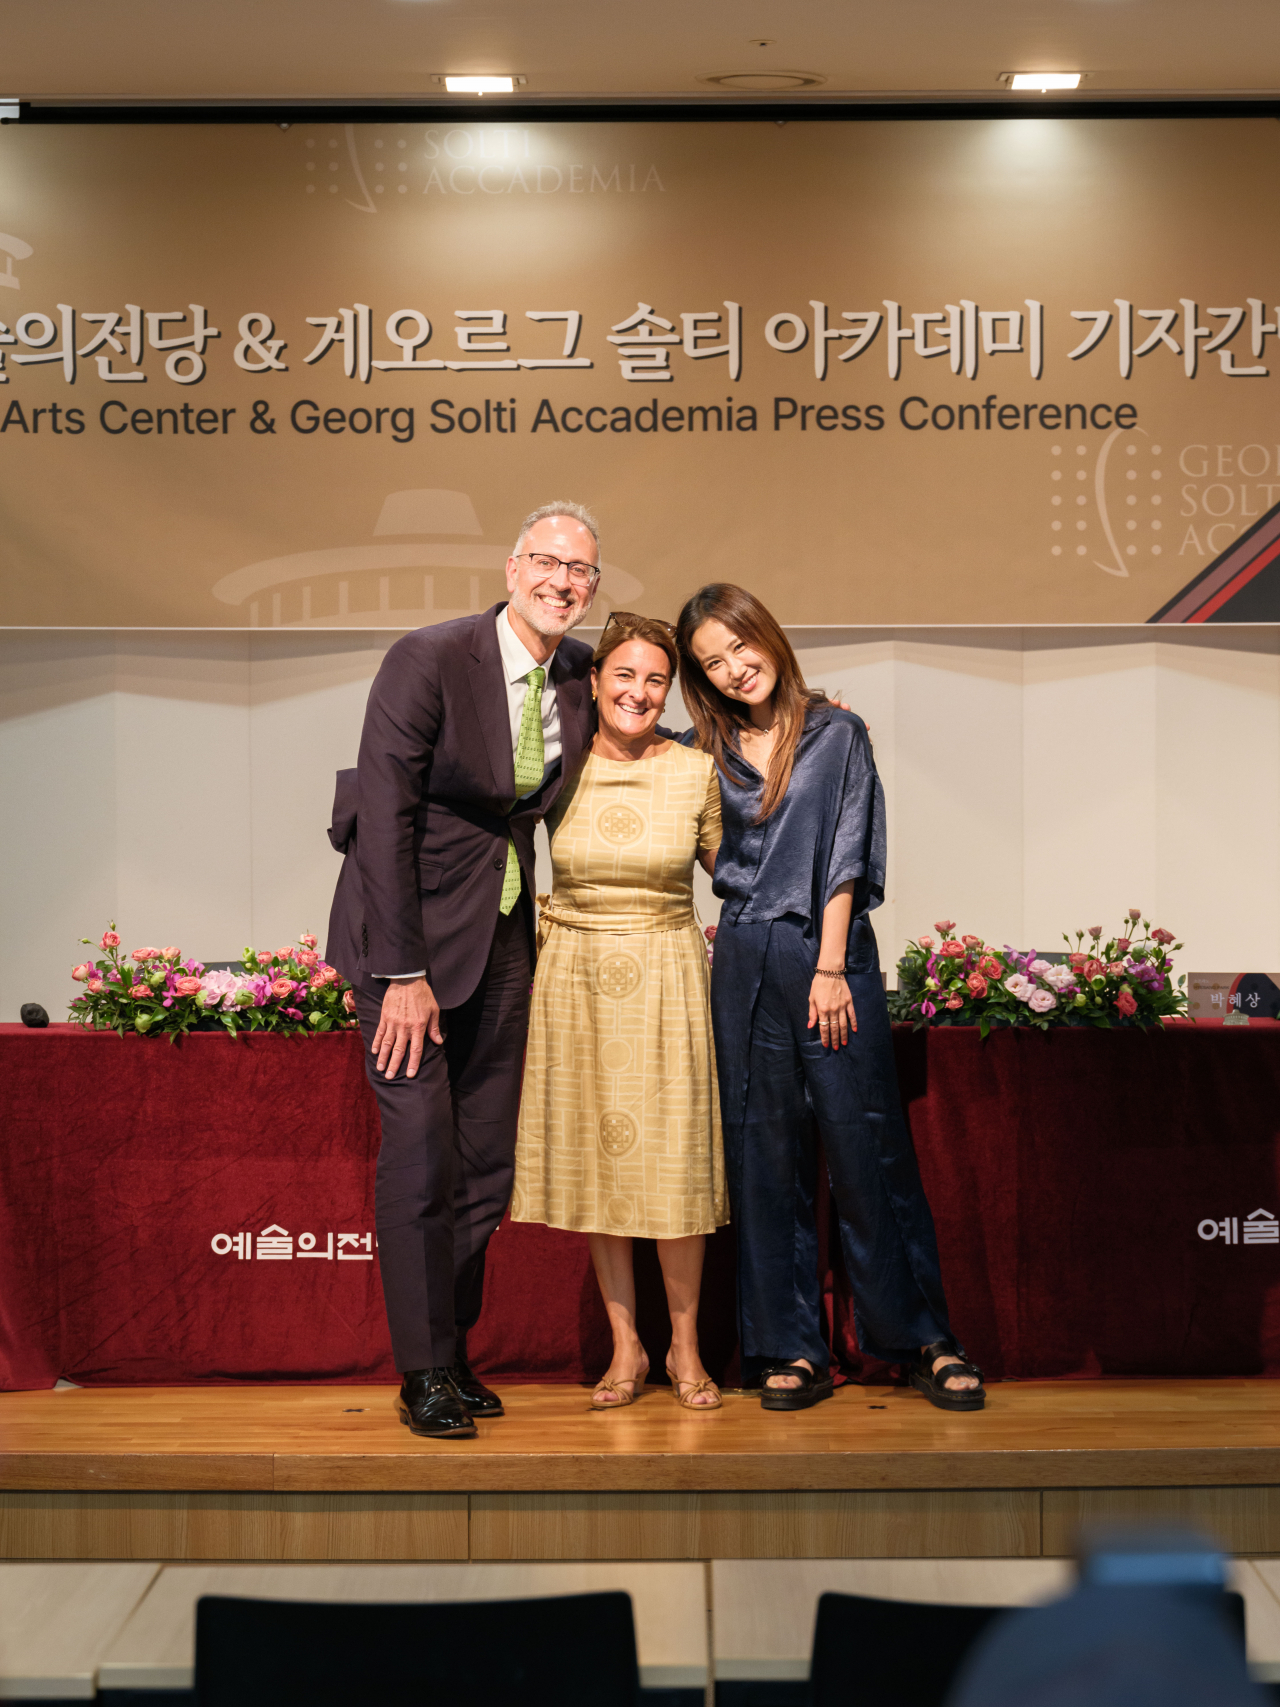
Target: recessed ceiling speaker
{"x":764,"y":82}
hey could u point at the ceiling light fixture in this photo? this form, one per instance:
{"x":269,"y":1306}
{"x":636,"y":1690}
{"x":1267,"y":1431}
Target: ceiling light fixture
{"x":481,"y":85}
{"x":764,"y":82}
{"x":1043,"y":81}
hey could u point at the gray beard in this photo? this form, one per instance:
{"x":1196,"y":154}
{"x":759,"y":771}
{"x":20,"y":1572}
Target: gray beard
{"x":524,"y":608}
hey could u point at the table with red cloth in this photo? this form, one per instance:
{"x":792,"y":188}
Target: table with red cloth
{"x":200,"y":1211}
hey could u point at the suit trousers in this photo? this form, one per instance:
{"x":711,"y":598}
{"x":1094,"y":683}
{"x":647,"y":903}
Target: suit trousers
{"x":448,"y":1153}
{"x":787,"y":1092}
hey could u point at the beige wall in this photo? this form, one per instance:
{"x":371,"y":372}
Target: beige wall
{"x":1037,"y":779}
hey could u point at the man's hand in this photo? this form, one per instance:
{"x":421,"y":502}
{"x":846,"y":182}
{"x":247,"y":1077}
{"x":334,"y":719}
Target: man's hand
{"x":839,"y":700}
{"x":410,"y":1013}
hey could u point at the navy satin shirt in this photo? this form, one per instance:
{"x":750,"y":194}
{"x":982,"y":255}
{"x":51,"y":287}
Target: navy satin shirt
{"x":829,"y":828}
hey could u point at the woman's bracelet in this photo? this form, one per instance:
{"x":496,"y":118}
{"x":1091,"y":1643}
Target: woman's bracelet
{"x":824,"y":972}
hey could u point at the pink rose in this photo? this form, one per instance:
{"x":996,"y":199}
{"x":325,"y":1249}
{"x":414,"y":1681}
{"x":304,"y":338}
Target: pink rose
{"x":955,"y":1000}
{"x":925,"y":941}
{"x":1095,"y":931}
{"x":331,"y":975}
{"x":142,"y":955}
{"x":264,"y":956}
{"x":1123,"y":945}
{"x":1117,"y":968}
{"x":282,"y":987}
{"x":82,"y":972}
{"x":1164,"y":938}
{"x":349,"y":1000}
{"x":318,"y":981}
{"x":307,"y":940}
{"x":1126,"y":1003}
{"x":1040,"y":1001}
{"x":971,"y":941}
{"x":977,"y":983}
{"x":1093,"y":969}
{"x":308,"y":957}
{"x":1135,"y":913}
{"x":110,"y":939}
{"x":944,"y":925}
{"x":1077,"y":962}
{"x":286,"y":952}
{"x":990,"y":965}
{"x":710,"y":932}
{"x":187,"y":986}
{"x":170,"y":953}
{"x":95,"y":986}
{"x":139,"y":992}
{"x":953,"y":950}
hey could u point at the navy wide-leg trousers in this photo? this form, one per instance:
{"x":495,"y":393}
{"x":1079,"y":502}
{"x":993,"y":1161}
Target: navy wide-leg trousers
{"x":780,"y":1092}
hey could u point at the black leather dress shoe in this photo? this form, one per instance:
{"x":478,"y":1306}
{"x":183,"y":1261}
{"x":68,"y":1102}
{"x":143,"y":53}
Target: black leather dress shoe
{"x":429,"y":1405}
{"x":480,"y":1400}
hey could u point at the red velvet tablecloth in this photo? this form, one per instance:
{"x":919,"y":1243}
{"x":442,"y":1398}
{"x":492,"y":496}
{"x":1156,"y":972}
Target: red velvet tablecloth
{"x":1093,"y":1195}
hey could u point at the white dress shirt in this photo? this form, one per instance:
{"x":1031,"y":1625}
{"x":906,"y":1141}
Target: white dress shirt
{"x":517,"y":661}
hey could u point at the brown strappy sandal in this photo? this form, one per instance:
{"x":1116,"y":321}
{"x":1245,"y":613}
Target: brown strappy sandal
{"x":604,"y":1385}
{"x":706,"y":1385}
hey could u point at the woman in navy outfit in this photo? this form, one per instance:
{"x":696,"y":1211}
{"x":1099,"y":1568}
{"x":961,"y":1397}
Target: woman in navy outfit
{"x":802,"y":1035}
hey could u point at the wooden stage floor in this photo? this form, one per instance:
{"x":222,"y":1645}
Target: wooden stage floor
{"x":298,"y":1472}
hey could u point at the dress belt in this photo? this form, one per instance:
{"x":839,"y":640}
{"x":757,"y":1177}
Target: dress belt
{"x":608,"y":924}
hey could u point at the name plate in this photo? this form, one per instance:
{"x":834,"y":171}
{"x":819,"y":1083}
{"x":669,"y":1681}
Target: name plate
{"x":1233,"y":997}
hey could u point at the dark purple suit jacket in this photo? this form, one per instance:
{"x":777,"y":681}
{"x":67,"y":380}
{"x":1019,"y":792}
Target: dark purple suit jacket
{"x":423,"y":820}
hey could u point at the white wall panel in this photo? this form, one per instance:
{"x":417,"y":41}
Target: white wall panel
{"x":184,"y":855}
{"x":956,"y":851}
{"x":1089,"y":745}
{"x":58,"y":866}
{"x":1035,"y":780}
{"x":1217,"y":769}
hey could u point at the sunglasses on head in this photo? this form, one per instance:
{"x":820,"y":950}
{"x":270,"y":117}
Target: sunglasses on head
{"x":627,"y":618}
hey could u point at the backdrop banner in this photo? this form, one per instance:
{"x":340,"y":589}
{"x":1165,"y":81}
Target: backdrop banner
{"x":886,"y":372}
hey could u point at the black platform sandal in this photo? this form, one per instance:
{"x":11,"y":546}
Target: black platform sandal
{"x":812,"y":1388}
{"x":921,"y":1374}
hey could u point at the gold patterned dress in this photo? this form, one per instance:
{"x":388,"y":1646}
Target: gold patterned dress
{"x":619,"y":1116}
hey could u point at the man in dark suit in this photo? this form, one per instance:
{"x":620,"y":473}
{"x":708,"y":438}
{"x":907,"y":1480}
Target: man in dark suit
{"x":472,"y":729}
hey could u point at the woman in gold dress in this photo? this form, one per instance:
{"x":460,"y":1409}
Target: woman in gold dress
{"x":619,"y":1132}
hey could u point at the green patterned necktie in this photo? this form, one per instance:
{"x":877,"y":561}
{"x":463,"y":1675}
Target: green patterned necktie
{"x":530,"y":764}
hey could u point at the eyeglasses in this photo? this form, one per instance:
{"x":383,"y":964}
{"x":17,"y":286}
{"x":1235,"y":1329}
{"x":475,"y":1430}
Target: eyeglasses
{"x":581,"y":574}
{"x":624,"y":617}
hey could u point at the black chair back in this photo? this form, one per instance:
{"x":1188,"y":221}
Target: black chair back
{"x":890,"y":1653}
{"x":574,"y":1649}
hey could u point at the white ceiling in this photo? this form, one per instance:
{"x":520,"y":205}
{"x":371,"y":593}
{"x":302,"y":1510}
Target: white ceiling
{"x":360,"y":49}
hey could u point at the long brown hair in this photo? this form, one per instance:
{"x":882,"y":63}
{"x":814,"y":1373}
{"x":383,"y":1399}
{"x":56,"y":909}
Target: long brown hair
{"x":717,"y":719}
